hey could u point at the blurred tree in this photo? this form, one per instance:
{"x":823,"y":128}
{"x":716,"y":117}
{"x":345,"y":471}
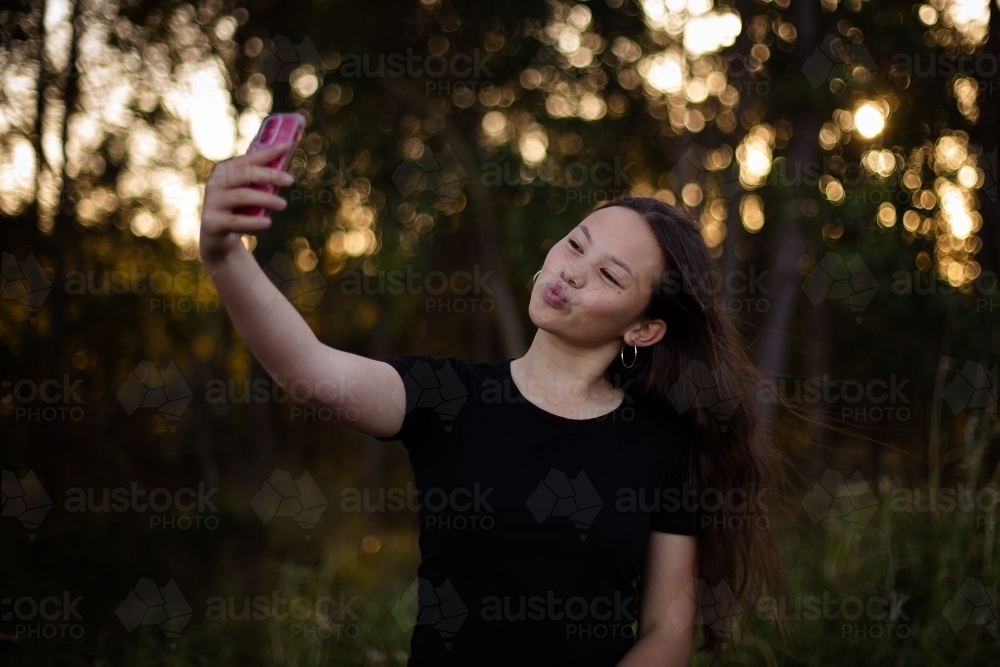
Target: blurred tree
{"x":812,"y":140}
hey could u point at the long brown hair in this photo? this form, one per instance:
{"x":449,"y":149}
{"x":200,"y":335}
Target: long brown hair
{"x":701,"y":368}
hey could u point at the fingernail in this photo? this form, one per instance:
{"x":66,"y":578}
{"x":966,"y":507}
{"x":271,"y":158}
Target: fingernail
{"x":287,"y":178}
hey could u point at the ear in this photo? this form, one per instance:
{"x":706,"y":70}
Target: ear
{"x":649,"y":332}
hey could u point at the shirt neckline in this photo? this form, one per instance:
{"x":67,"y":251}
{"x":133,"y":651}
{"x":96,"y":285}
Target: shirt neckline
{"x":551,"y":415}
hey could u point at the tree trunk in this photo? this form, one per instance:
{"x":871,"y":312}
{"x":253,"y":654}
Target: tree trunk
{"x":507,"y":313}
{"x":734,"y":225}
{"x":63,"y":228}
{"x":785,"y":277}
{"x":36,"y":132}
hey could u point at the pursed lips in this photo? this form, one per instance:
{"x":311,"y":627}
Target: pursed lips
{"x":554,"y":293}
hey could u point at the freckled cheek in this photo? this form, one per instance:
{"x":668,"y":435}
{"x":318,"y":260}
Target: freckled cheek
{"x":609,"y":308}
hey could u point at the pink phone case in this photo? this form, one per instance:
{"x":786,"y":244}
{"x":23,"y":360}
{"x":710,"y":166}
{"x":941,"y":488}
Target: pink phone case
{"x":277,"y":128}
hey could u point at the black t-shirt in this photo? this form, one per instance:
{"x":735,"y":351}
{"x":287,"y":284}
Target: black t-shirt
{"x":533,"y":526}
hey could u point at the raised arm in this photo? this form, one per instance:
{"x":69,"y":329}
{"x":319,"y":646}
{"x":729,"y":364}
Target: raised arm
{"x":364,"y":394}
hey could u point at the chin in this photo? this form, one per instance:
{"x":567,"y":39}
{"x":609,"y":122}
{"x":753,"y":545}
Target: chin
{"x":543,"y":316}
{"x":536,"y":312}
{"x":552,"y":321}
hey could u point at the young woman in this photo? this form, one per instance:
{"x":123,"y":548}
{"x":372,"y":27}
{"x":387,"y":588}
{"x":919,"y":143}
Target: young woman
{"x":593,"y":502}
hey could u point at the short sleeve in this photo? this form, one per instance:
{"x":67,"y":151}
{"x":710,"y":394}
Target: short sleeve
{"x":678,"y":512}
{"x":436,"y":391}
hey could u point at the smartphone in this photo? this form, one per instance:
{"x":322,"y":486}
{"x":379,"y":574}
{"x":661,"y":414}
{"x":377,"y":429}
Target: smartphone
{"x":277,"y":128}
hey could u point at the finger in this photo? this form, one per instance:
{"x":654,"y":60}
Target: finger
{"x":251,"y":223}
{"x":230,"y":199}
{"x":237,"y":222}
{"x":264,"y":155}
{"x":235,"y":175}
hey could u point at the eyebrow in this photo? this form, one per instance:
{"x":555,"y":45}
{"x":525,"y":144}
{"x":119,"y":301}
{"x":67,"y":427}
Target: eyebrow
{"x":586,"y":232}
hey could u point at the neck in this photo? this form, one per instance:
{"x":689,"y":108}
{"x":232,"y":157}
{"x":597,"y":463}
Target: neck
{"x":563,"y":372}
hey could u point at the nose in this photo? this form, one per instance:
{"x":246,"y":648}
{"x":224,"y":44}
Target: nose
{"x":572,"y":274}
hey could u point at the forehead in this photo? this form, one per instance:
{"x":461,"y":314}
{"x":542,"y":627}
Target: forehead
{"x":622,"y":232}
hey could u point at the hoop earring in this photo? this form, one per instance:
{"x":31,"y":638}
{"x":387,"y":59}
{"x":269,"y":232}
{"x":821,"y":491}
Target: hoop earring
{"x":535,"y":277}
{"x":635,"y":356}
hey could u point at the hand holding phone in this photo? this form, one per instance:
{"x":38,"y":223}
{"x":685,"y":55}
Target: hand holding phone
{"x":277,"y":129}
{"x":242,"y":190}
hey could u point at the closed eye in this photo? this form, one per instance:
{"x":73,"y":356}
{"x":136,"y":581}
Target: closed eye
{"x":610,"y":277}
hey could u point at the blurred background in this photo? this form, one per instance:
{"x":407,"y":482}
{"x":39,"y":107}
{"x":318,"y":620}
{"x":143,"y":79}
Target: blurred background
{"x":164,"y":502}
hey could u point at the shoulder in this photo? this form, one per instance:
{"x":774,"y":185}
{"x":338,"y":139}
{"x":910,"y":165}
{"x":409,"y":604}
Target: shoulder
{"x":449,"y":373}
{"x":437,"y":390}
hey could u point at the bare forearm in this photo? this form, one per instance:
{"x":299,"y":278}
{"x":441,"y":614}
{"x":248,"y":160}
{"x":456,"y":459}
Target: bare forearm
{"x":273,"y":330}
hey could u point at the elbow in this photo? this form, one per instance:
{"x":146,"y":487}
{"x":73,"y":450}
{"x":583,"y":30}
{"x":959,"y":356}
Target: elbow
{"x":675,"y":645}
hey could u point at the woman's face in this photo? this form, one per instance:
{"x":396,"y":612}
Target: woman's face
{"x":597,"y":281}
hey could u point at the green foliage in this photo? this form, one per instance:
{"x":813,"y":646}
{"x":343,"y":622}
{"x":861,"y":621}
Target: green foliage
{"x":120,"y":298}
